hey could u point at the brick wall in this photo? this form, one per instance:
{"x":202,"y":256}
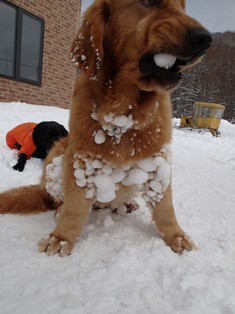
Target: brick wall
{"x":61,"y":23}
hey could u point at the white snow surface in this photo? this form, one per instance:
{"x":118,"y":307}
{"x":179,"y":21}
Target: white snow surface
{"x":119,"y":264}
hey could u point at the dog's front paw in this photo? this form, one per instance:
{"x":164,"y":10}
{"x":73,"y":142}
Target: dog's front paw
{"x":52,"y":245}
{"x":180,"y":242}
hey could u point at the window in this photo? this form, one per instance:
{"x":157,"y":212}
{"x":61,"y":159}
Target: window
{"x":21,"y":48}
{"x":7,"y":39}
{"x":204,"y":112}
{"x":219,"y":113}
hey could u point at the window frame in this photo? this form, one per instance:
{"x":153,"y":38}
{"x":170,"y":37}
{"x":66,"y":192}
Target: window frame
{"x":18,"y":44}
{"x":13,"y":77}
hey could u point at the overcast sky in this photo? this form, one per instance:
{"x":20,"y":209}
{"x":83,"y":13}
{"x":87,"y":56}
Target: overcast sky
{"x":216,"y":15}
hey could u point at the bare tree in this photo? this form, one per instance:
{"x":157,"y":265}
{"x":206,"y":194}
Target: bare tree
{"x":212,"y":80}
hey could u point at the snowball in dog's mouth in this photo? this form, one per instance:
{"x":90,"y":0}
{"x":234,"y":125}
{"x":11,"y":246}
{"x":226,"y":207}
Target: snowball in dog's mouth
{"x":161,"y":68}
{"x":155,"y":65}
{"x":164,"y":69}
{"x":164,"y":60}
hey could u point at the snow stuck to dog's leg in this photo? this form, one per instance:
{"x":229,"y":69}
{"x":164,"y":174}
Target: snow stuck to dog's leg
{"x":73,"y":214}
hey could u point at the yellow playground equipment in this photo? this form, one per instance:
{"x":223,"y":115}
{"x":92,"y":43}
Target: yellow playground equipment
{"x":205,"y":117}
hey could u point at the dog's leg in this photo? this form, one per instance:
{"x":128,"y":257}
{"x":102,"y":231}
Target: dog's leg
{"x":73,"y":215}
{"x":72,"y":218}
{"x":166,"y":222}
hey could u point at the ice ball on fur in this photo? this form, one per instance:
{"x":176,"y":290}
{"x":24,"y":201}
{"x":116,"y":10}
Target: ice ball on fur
{"x":164,"y":173}
{"x":105,"y":188}
{"x":118,"y":175}
{"x":136,"y":176}
{"x":147,"y":164}
{"x":100,"y":137}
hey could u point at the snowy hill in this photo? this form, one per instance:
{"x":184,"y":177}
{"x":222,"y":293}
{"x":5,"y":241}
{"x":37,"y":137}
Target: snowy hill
{"x":120,"y":265}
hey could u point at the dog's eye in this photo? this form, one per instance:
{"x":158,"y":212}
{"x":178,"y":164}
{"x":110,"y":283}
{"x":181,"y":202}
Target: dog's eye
{"x":151,"y":3}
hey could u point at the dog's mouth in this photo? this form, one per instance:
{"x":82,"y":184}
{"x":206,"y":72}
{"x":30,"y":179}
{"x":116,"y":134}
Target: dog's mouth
{"x":163,"y":68}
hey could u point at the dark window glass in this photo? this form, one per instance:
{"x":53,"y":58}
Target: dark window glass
{"x":30,"y":52}
{"x":8,"y":19}
{"x":21,"y":44}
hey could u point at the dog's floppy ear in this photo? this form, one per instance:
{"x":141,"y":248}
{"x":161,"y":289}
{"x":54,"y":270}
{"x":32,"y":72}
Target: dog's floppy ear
{"x":87,"y":49}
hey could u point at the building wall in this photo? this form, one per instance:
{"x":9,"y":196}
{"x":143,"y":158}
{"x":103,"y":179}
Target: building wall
{"x":61,"y":23}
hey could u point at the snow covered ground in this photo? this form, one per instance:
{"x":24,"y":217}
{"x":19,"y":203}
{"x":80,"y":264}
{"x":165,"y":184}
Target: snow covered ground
{"x":120,"y":265}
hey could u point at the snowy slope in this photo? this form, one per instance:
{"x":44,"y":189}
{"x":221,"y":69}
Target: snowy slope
{"x":120,"y":265}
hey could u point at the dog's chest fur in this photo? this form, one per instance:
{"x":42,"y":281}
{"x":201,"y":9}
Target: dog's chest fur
{"x":120,"y":149}
{"x":122,"y":130}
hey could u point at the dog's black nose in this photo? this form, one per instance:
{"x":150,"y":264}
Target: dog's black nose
{"x":198,"y":39}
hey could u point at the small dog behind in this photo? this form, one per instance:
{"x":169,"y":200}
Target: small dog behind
{"x":32,"y":139}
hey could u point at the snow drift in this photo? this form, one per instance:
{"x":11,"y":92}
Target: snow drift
{"x":119,"y":264}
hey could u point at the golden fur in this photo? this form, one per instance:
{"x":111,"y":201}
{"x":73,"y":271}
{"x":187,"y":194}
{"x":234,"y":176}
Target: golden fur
{"x":112,"y":50}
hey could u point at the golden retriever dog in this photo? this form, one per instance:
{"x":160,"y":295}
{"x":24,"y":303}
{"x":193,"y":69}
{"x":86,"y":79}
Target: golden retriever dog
{"x":131,"y":55}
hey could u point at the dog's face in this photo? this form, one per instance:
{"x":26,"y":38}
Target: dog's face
{"x":148,"y":42}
